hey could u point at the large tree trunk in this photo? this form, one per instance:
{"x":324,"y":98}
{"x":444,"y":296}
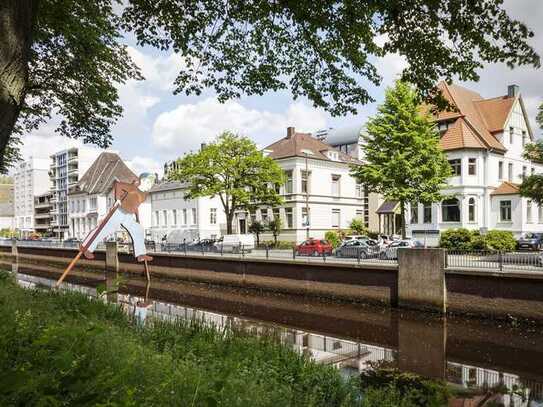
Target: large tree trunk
{"x":16,"y":25}
{"x":229,"y":220}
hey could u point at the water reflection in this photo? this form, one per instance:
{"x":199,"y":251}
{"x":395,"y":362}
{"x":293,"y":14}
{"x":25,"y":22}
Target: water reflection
{"x":469,"y":354}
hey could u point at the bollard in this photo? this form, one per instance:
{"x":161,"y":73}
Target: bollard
{"x":112,"y":258}
{"x":267,"y":251}
{"x":358,"y":255}
{"x":293,"y":253}
{"x":14,"y":250}
{"x":500,"y":260}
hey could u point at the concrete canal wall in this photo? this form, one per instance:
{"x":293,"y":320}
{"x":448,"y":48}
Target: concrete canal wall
{"x":420,"y":280}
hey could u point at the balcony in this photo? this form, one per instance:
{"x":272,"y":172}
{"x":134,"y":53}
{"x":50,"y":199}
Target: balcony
{"x":42,"y":205}
{"x":42,"y":216}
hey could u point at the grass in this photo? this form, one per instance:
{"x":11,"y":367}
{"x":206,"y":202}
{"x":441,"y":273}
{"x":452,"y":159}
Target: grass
{"x":63,"y":349}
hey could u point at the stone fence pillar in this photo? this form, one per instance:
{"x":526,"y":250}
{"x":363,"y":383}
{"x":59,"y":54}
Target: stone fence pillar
{"x":14,"y":251}
{"x":421,"y":279}
{"x":112,"y":258}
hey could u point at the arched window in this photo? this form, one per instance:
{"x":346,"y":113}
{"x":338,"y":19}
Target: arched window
{"x":450,"y":210}
{"x":471,"y":210}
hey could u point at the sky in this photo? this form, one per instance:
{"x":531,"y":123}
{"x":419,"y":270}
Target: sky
{"x":158,"y":126}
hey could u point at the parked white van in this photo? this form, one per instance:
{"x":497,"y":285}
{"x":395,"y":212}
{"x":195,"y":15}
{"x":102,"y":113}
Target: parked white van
{"x":236,"y":243}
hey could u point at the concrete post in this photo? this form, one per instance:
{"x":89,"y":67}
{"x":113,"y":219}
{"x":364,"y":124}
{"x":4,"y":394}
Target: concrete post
{"x":14,"y":251}
{"x":112,"y":259}
{"x":421,"y":279}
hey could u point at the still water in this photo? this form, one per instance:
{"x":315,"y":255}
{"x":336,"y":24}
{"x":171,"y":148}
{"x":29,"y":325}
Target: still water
{"x":468,"y":353}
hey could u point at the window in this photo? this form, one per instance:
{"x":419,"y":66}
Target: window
{"x":427,"y":217}
{"x":529,"y":212}
{"x":472,"y":166}
{"x":358,"y":191}
{"x":511,"y":133}
{"x":93,"y":204}
{"x":83,"y":205}
{"x":185,"y":218}
{"x":288,"y":182}
{"x":305,"y":182}
{"x":523,"y":138}
{"x":359,"y":214}
{"x":213,"y":216}
{"x":532,"y":171}
{"x":165,"y":218}
{"x":335,"y":185}
{"x":450,"y":210}
{"x":276,"y":213}
{"x":471,"y":210}
{"x":156,"y":219}
{"x":335,"y":218}
{"x":414,"y":212}
{"x":194,"y":220}
{"x":305,"y":217}
{"x":288,"y":217}
{"x":510,"y":172}
{"x":505,"y":211}
{"x":264,"y":215}
{"x":456,"y":166}
{"x":174,"y":213}
{"x":540,"y":214}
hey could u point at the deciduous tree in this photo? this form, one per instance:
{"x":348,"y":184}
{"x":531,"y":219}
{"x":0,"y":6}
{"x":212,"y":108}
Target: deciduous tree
{"x":65,"y":58}
{"x":257,"y":228}
{"x":403,"y":159}
{"x":275,"y":226}
{"x":233,"y":169}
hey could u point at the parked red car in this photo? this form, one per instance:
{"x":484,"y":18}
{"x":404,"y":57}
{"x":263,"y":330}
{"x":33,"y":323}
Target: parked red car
{"x":314,"y":247}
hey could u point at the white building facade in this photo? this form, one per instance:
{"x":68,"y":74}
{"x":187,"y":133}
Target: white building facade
{"x":484,"y":142}
{"x":91,"y":198}
{"x":66,"y":168}
{"x":30,"y":178}
{"x":319,"y":193}
{"x":175,"y":219}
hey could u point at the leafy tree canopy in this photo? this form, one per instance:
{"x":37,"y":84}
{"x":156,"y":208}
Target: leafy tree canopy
{"x":403,"y":159}
{"x":233,"y":169}
{"x":66,"y":57}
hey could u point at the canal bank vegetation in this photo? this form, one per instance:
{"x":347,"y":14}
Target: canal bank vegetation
{"x":59,"y":348}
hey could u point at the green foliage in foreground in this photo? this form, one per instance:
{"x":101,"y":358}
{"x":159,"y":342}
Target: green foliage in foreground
{"x":64,"y":349}
{"x":464,"y":239}
{"x":61,"y":349}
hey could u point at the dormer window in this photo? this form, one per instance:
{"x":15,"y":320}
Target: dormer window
{"x":333,"y":155}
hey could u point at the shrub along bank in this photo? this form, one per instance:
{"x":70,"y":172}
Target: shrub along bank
{"x":464,"y":239}
{"x":65,"y":349}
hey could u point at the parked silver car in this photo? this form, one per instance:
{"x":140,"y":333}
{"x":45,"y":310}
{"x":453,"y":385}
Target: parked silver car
{"x":357,"y":248}
{"x":391,"y":251}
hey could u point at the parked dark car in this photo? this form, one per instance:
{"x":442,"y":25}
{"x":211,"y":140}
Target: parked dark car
{"x":357,"y":249}
{"x":314,"y":247}
{"x":531,"y":241}
{"x":204,"y":245}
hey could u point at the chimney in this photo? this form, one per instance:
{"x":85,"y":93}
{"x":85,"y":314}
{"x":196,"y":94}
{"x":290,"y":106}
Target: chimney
{"x":513,"y":91}
{"x":290,"y":132}
{"x":202,"y":146}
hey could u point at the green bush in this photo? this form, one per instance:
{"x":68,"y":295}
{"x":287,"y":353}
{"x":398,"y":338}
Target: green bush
{"x":281,"y":244}
{"x":464,"y":239}
{"x":405,"y":389}
{"x":358,"y":228}
{"x":334,"y":237}
{"x":500,"y":240}
{"x":456,"y":239}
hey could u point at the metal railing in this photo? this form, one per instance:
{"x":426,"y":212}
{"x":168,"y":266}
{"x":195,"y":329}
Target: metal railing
{"x":495,"y":260}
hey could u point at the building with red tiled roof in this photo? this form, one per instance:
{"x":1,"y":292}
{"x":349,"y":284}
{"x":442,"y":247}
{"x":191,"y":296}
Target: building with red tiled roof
{"x":484,"y":140}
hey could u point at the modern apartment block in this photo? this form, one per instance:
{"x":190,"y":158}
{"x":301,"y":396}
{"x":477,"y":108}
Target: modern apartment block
{"x":42,"y":213}
{"x":200,"y":218}
{"x":66,"y":168}
{"x":30,"y":178}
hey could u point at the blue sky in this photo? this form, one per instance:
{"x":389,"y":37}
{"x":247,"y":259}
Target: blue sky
{"x":158,"y":126}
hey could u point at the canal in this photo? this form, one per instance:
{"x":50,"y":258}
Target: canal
{"x":466,"y":352}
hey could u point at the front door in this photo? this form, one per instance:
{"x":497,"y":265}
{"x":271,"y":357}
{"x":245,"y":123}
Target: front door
{"x":242,"y":226}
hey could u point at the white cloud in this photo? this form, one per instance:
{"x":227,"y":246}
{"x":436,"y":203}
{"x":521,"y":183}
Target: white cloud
{"x":189,"y":125}
{"x":159,"y":71}
{"x":140,"y":164}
